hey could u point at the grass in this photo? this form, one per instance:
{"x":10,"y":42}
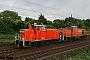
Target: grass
{"x":6,"y":35}
{"x":84,"y":55}
{"x":55,"y":58}
{"x":6,"y":41}
{"x":88,"y":32}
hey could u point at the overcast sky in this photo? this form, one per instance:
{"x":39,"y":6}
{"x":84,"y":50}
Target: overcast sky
{"x":52,"y":9}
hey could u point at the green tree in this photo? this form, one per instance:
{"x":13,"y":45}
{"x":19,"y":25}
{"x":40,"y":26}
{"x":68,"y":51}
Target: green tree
{"x":42,"y":19}
{"x":20,"y":25}
{"x":81,"y":24}
{"x":30,"y":21}
{"x":10,"y":15}
{"x":57,"y":23}
{"x":49,"y":24}
{"x":70,"y":21}
{"x":87,"y":23}
{"x":8,"y":19}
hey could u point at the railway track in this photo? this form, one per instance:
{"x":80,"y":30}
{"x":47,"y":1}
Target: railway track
{"x":38,"y":52}
{"x":51,"y":51}
{"x":7,"y":46}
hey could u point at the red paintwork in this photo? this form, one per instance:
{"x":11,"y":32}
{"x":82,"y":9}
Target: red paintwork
{"x":39,"y":32}
{"x":35,"y":33}
{"x":72,"y":31}
{"x":52,"y":34}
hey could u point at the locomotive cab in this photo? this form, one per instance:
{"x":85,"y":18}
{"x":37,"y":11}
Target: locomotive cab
{"x":32,"y":34}
{"x":71,"y":33}
{"x":35,"y":34}
{"x":74,"y":27}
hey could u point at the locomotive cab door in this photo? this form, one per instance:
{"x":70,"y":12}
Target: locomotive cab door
{"x":82,"y":32}
{"x":73,"y":30}
{"x":40,"y":32}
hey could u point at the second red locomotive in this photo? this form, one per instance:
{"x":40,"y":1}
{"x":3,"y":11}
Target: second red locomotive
{"x":38,"y":34}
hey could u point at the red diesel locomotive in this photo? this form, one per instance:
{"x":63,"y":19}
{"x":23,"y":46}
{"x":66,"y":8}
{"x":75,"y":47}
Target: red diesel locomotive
{"x":39,"y":35}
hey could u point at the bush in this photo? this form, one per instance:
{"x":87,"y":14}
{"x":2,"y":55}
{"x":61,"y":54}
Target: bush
{"x":85,"y":55}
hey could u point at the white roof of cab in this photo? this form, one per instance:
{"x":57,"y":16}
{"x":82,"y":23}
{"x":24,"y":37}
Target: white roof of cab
{"x":73,"y":26}
{"x":39,"y":25}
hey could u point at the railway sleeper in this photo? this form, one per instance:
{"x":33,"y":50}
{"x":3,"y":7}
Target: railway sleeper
{"x":6,"y":57}
{"x":49,"y":52}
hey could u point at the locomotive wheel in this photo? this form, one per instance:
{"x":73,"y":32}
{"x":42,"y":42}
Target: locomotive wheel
{"x":35,"y":44}
{"x":42,"y":43}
